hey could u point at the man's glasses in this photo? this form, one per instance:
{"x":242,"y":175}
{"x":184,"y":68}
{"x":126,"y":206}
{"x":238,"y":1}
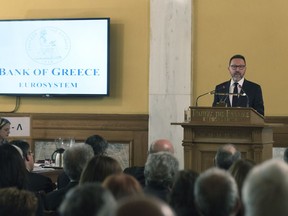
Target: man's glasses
{"x":241,"y":67}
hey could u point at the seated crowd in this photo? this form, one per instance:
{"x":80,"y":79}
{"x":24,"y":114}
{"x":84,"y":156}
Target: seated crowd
{"x":94,"y":184}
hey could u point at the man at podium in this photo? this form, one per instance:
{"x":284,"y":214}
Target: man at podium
{"x":239,"y":92}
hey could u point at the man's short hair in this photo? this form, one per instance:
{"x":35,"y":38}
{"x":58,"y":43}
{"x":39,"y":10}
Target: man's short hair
{"x":226,"y":155}
{"x":88,"y":199}
{"x":75,"y":159}
{"x":237,"y":56}
{"x":161,"y":169}
{"x":98,"y":143}
{"x":265,"y":190}
{"x":143,"y":206}
{"x":216,"y":193}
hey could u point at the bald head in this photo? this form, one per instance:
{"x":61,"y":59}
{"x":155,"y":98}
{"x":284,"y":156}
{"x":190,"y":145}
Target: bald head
{"x":161,"y":145}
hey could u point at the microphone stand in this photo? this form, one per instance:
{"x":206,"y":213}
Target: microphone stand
{"x":210,"y":92}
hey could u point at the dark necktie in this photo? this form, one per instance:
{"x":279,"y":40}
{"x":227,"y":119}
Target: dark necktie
{"x":235,"y":97}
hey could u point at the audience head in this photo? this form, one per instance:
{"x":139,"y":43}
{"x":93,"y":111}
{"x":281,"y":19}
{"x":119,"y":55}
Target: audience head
{"x":286,"y":155}
{"x":13,"y":172}
{"x":98,"y":143}
{"x":15,"y":202}
{"x":226,"y":155}
{"x":161,"y":145}
{"x":122,"y":185}
{"x":99,"y":167}
{"x":182,"y":194}
{"x":88,"y":199}
{"x":4,"y":130}
{"x":216,"y":193}
{"x":75,"y":159}
{"x":265,"y":190}
{"x":27,"y":153}
{"x":143,"y":206}
{"x":239,"y":170}
{"x":161,"y":169}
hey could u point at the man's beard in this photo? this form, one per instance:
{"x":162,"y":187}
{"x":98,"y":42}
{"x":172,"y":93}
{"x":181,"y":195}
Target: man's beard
{"x":237,"y":76}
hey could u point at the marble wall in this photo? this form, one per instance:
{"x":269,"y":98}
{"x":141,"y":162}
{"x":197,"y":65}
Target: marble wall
{"x":170,"y":74}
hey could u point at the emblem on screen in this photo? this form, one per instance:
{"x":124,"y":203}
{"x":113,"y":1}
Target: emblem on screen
{"x":48,"y":45}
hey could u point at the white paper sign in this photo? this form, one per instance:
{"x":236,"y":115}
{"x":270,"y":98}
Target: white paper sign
{"x":20,"y":126}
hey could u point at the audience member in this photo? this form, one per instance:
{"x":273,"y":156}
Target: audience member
{"x":99,"y":146}
{"x":156,"y":146}
{"x":226,"y":155}
{"x":12,"y":168}
{"x":285,"y":158}
{"x":75,"y":159}
{"x":239,"y":170}
{"x":160,"y":171}
{"x":100,"y":167}
{"x":161,"y":145}
{"x":143,"y":206}
{"x":89,"y":199}
{"x":4,"y":130}
{"x":216,"y":193}
{"x":15,"y":202}
{"x":36,"y":182}
{"x":182,"y":194}
{"x":122,"y":185}
{"x":98,"y":143}
{"x":265,"y":190}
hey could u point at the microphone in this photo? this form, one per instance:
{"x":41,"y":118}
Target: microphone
{"x":227,"y":94}
{"x":245,"y":94}
{"x":210,"y":92}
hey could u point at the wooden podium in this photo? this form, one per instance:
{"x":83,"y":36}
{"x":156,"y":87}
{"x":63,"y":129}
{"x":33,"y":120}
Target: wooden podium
{"x":211,"y":127}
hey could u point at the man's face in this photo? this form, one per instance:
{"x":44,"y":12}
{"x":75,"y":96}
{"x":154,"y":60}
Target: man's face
{"x":30,"y":162}
{"x":237,"y":69}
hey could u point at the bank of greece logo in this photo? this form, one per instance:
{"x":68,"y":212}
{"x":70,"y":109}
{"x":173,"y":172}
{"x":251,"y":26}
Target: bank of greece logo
{"x":48,"y":45}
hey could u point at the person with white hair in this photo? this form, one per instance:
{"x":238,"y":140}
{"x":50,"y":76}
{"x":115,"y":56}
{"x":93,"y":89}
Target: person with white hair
{"x":160,"y":171}
{"x":216,"y":193}
{"x":265,"y":190}
{"x":75,"y":160}
{"x":159,"y":145}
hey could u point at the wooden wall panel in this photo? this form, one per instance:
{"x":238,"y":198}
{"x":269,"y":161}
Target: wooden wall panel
{"x":280,"y":130}
{"x":115,"y":128}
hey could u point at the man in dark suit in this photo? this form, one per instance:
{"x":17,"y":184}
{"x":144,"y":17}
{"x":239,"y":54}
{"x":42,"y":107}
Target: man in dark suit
{"x":160,"y":145}
{"x":75,"y":159}
{"x":239,"y":92}
{"x":36,"y":182}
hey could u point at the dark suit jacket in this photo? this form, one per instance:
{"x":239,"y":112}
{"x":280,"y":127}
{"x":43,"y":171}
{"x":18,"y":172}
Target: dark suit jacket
{"x":38,"y":182}
{"x":53,"y":200}
{"x":158,"y":191}
{"x":62,"y":180}
{"x":137,"y":172}
{"x":253,"y":99}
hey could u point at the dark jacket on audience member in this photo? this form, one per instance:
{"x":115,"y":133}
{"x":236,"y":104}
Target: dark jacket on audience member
{"x":158,"y":191}
{"x":137,"y":172}
{"x":53,"y":199}
{"x":62,"y":180}
{"x":38,"y":182}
